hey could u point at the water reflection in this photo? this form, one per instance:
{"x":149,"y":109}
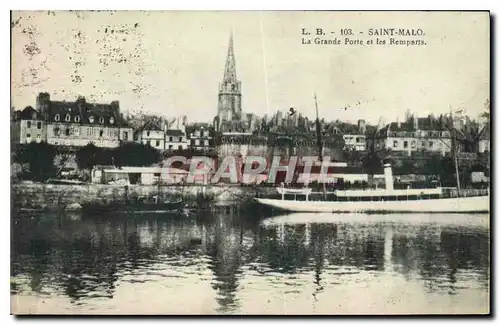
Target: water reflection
{"x":87,"y":259}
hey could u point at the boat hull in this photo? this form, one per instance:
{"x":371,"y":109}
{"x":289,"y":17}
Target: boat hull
{"x":476,"y":204}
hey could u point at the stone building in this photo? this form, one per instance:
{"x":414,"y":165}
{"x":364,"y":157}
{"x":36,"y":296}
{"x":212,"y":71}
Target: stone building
{"x":27,"y":126}
{"x":241,"y":145}
{"x":427,"y":134}
{"x":151,"y":133}
{"x":201,"y":137}
{"x":176,"y":139}
{"x":354,"y":136}
{"x":78,"y":123}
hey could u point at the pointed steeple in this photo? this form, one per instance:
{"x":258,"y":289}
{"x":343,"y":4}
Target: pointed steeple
{"x":229,"y":107}
{"x":230,"y":69}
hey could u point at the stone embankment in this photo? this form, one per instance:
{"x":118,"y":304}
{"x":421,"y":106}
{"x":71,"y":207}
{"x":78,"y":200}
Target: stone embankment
{"x":56,"y":196}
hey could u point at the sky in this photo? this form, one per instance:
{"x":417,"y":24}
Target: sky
{"x":170,"y":63}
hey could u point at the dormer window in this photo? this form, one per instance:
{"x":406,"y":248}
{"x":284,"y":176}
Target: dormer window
{"x":91,"y":119}
{"x":101,"y":120}
{"x":88,"y":110}
{"x":57,"y":117}
{"x":111,"y":120}
{"x":67,"y":118}
{"x":77,"y":119}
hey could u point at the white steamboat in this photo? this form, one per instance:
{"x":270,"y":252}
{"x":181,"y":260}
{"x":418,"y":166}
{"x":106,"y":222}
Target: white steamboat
{"x":388,"y":200}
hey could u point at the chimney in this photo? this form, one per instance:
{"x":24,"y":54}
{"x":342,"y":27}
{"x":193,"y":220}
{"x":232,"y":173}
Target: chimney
{"x":389,"y":182}
{"x":163,"y":124}
{"x":399,"y":123}
{"x":42,"y":104}
{"x":115,"y":105}
{"x":361,"y":126}
{"x":415,"y":122}
{"x":80,"y":103}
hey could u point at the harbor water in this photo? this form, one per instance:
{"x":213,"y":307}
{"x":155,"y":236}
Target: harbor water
{"x":223,"y":262}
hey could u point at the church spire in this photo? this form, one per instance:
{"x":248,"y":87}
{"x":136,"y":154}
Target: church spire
{"x":230,"y":69}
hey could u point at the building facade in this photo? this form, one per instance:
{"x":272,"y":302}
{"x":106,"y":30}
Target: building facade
{"x":28,"y":126}
{"x":151,"y":135}
{"x":354,"y":135}
{"x":416,"y":134}
{"x":176,"y":139}
{"x":78,"y":123}
{"x":484,"y":140}
{"x":201,"y":137}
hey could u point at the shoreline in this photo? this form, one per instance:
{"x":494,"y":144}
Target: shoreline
{"x":47,"y":197}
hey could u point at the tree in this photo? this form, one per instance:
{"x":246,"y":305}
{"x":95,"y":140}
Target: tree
{"x":39,"y":157}
{"x":486,"y":113}
{"x":135,"y":154}
{"x":372,"y":164}
{"x":407,"y":167}
{"x":89,"y":156}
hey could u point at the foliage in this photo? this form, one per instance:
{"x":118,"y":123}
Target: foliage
{"x":39,"y":157}
{"x":89,"y":156}
{"x":407,"y":167}
{"x":127,"y":154}
{"x":135,"y":154}
{"x":372,"y":163}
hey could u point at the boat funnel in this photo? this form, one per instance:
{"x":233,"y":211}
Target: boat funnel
{"x":389,"y":182}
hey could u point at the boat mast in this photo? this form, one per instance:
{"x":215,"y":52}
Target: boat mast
{"x":318,"y":131}
{"x":320,"y":142}
{"x":454,"y":151}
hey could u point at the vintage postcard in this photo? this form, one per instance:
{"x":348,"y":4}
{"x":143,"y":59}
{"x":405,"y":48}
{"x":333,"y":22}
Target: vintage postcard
{"x":250,"y":162}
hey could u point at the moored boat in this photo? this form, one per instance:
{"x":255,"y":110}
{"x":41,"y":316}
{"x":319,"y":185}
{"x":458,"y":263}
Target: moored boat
{"x":388,"y":200}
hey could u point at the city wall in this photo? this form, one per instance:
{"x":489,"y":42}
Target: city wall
{"x":55,"y":196}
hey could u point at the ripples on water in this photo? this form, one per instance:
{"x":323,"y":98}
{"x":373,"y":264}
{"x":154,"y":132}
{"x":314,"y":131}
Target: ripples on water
{"x":295,"y":264}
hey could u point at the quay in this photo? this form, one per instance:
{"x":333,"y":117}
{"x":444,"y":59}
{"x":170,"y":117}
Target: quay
{"x":37,"y":196}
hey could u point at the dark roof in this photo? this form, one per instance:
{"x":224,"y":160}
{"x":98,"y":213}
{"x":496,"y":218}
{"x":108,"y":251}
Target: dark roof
{"x":423,"y":123}
{"x":151,"y":124}
{"x":176,"y":133}
{"x":431,"y":123}
{"x":85,"y":113}
{"x":346,"y":128}
{"x":29,"y":113}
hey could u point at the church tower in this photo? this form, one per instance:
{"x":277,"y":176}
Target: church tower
{"x":229,"y":107}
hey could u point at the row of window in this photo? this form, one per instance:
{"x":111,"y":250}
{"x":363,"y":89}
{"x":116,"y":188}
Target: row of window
{"x":174,"y":139}
{"x":170,"y":139}
{"x":91,"y":132}
{"x":67,"y":132}
{"x":197,"y":142}
{"x":358,"y":139}
{"x":395,"y":144}
{"x":67,"y":118}
{"x":28,"y":137}
{"x":421,"y":134}
{"x":430,"y":144}
{"x":201,"y":134}
{"x":38,"y":125}
{"x":148,"y":133}
{"x":157,"y":143}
